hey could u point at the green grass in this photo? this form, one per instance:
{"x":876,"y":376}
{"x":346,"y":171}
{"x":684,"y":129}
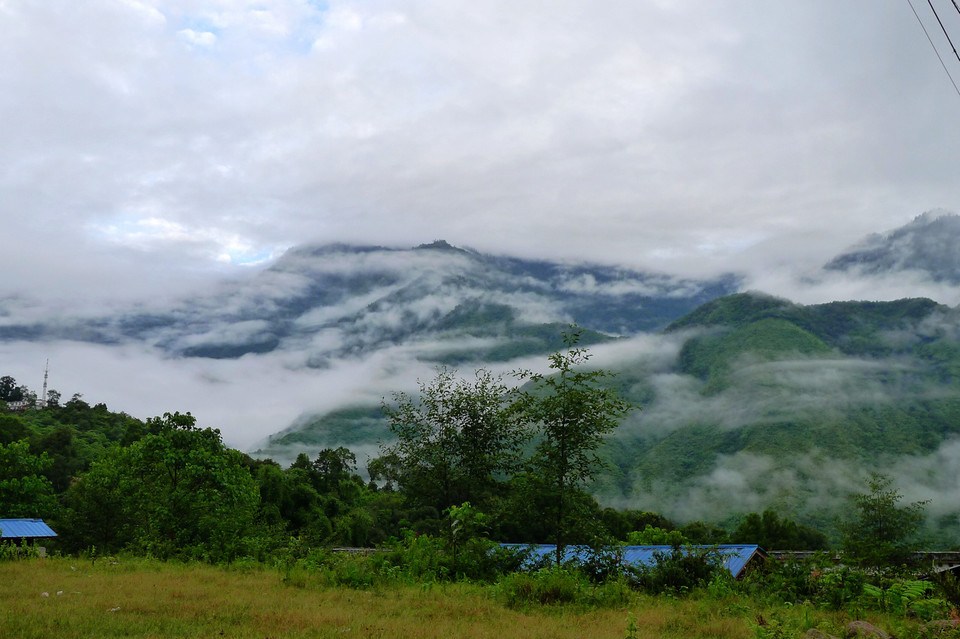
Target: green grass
{"x":141,"y":598}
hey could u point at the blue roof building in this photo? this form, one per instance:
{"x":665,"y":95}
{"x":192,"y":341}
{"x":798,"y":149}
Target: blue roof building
{"x":735,"y":557}
{"x":17,"y":529}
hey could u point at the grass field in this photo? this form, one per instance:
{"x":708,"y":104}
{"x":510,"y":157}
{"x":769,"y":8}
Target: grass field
{"x":63,"y":598}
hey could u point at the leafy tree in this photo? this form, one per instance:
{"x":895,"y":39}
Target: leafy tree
{"x":332,"y":466}
{"x":178,"y":491}
{"x":699,"y":532}
{"x":12,"y":428}
{"x":452,"y":441}
{"x":24,"y":490}
{"x":654,"y":536}
{"x":573,"y":414}
{"x":883,"y":532}
{"x":522,"y":513}
{"x":620,"y":523}
{"x":9,"y":391}
{"x":773,"y":532}
{"x":65,"y":460}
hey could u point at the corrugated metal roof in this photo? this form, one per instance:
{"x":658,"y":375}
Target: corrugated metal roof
{"x":24,"y":528}
{"x":735,"y":556}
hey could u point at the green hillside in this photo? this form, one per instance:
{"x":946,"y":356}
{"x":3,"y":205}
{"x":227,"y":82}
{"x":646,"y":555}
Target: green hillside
{"x":766,"y":403}
{"x":783,"y":404}
{"x":714,"y":355}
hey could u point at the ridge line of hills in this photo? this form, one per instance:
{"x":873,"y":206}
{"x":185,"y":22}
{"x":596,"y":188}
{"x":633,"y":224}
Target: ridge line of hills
{"x":748,"y":400}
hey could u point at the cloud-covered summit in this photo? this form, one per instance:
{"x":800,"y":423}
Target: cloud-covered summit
{"x":338,"y":300}
{"x":929,"y":245}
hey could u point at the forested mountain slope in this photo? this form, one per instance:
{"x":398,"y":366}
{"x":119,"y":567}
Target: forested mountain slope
{"x":774,"y":403}
{"x":752,"y":401}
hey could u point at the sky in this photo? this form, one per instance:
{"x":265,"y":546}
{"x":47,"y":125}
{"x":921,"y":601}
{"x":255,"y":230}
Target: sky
{"x":151,"y":147}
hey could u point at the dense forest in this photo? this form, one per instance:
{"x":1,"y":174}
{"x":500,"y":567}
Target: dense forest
{"x":515,"y":461}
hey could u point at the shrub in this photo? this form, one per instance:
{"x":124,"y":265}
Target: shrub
{"x":602,"y":563}
{"x":563,"y":585}
{"x":816,"y":580}
{"x":12,"y":551}
{"x":908,"y":597}
{"x":678,"y":571}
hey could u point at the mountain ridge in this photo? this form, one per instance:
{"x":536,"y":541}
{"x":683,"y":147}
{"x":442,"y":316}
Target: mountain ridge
{"x":926,"y":245}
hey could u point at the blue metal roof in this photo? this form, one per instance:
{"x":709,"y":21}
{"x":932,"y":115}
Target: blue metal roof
{"x":24,"y":528}
{"x":735,"y":556}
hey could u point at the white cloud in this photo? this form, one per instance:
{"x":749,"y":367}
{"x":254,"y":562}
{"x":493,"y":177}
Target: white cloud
{"x":203,"y":39}
{"x":152,"y":146}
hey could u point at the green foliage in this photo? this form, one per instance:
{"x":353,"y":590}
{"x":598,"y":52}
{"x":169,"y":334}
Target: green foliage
{"x":620,"y":523}
{"x":177,"y":492}
{"x":452,"y":442}
{"x":428,"y":559}
{"x":882,"y":532}
{"x":772,"y":532}
{"x":573,"y":414}
{"x":907,"y":597}
{"x":949,"y":585}
{"x":818,"y":581}
{"x":839,"y":587}
{"x":713,"y":356}
{"x":731,"y":310}
{"x":699,"y":532}
{"x":16,"y":552}
{"x":551,"y":585}
{"x":24,"y":490}
{"x":560,"y":585}
{"x":677,"y":571}
{"x":631,"y":632}
{"x":653,"y":536}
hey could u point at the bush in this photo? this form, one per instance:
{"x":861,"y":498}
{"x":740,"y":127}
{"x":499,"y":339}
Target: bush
{"x":678,"y":571}
{"x":564,"y":585}
{"x":816,"y":580}
{"x":787,"y":581}
{"x":602,"y":563}
{"x":907,"y":597}
{"x":555,"y":585}
{"x":10,"y":552}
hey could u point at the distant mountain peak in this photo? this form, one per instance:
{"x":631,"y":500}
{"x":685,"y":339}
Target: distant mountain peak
{"x":930,"y":216}
{"x":927,"y":244}
{"x":439,"y":244}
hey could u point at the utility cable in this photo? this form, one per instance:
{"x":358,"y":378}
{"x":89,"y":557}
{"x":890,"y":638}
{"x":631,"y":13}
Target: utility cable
{"x":944,"y":29}
{"x":930,"y":40}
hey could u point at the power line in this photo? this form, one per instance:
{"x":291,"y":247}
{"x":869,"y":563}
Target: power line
{"x":944,"y":29}
{"x":930,"y":40}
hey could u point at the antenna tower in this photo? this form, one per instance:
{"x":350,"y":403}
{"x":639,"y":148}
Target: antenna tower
{"x":46,"y":371}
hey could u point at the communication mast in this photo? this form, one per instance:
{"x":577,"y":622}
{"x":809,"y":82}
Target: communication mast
{"x":43,"y":398}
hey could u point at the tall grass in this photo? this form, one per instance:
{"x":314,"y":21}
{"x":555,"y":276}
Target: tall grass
{"x":63,"y":598}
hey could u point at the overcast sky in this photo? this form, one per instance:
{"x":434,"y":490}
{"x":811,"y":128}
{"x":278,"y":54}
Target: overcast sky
{"x":147,"y":146}
{"x":143,"y":142}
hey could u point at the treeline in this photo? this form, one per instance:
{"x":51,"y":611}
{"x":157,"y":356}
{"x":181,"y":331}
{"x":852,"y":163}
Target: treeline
{"x":512,"y":462}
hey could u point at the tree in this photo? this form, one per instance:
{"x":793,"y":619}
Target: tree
{"x":24,"y":491}
{"x":53,"y":398}
{"x":177,"y":491}
{"x":452,"y":441}
{"x":573,"y":415}
{"x":883,"y":533}
{"x":655,"y":536}
{"x":9,"y":391}
{"x":773,"y":532}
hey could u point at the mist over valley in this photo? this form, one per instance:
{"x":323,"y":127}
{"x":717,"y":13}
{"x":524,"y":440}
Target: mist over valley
{"x":745,"y":400}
